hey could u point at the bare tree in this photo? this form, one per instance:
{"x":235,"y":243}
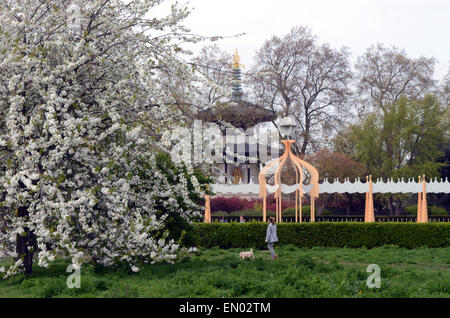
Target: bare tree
{"x":295,"y":76}
{"x":444,"y":90}
{"x":384,"y":74}
{"x":215,"y":66}
{"x":444,"y":97}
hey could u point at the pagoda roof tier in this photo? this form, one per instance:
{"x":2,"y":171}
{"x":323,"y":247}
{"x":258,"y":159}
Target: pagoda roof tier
{"x":240,"y":114}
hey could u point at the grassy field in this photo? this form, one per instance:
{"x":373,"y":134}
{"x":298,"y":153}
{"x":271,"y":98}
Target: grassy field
{"x":316,"y":272}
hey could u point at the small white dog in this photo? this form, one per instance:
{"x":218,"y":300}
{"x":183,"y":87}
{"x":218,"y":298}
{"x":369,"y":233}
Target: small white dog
{"x":246,"y":254}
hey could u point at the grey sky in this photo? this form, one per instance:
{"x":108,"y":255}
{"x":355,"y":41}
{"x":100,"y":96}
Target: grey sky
{"x":421,"y":27}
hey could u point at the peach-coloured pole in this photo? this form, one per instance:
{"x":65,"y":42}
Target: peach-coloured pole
{"x":424,"y":201}
{"x":296,"y":195}
{"x":300,"y":210}
{"x":300,"y":192}
{"x":279,"y":208}
{"x":366,"y":211}
{"x":264,"y":205}
{"x":312,"y":209}
{"x":419,"y":204}
{"x":207,"y":206}
{"x":276,"y":209}
{"x":371,"y":216}
{"x":207,"y":209}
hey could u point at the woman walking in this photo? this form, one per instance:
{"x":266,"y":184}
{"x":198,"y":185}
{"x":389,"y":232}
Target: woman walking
{"x":271,"y":236}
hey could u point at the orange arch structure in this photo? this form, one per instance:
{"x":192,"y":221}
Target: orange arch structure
{"x":299,"y":165}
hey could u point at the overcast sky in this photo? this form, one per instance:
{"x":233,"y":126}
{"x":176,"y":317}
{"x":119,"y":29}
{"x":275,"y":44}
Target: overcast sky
{"x":421,"y":27}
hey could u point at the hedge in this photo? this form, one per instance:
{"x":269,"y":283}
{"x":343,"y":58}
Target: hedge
{"x":324,"y":234}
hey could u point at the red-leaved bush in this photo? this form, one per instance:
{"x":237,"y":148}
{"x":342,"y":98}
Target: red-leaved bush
{"x":238,"y":204}
{"x":230,"y":204}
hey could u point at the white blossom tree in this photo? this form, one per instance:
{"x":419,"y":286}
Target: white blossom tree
{"x":82,"y":108}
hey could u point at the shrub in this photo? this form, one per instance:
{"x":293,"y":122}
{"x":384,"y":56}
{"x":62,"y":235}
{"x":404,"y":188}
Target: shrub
{"x":220,"y":213}
{"x":306,"y":211}
{"x":324,"y":234}
{"x":258,"y":206}
{"x":291,"y":211}
{"x":432,"y":210}
{"x":437,"y":210}
{"x":251,"y":213}
{"x":246,"y":213}
{"x":326,"y":212}
{"x":411,"y":209}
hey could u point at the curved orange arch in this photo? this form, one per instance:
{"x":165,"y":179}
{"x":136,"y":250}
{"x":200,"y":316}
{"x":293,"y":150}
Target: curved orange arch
{"x":299,"y":164}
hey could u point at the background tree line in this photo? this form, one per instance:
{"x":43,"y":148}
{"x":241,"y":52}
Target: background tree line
{"x":386,"y":112}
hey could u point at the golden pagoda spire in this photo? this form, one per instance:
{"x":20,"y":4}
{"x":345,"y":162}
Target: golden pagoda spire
{"x":237,"y":60}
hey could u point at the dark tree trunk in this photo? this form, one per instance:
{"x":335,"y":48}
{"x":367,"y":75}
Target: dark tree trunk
{"x":25,"y":244}
{"x":398,"y":207}
{"x":320,"y":209}
{"x":349,"y":204}
{"x":306,"y":135}
{"x":391,"y":206}
{"x":304,"y":144}
{"x":321,"y":204}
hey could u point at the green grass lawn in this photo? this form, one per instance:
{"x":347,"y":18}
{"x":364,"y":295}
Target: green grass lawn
{"x":298,"y":272}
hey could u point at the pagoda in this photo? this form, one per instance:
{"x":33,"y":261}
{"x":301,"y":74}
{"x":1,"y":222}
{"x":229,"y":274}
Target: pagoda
{"x":240,"y":114}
